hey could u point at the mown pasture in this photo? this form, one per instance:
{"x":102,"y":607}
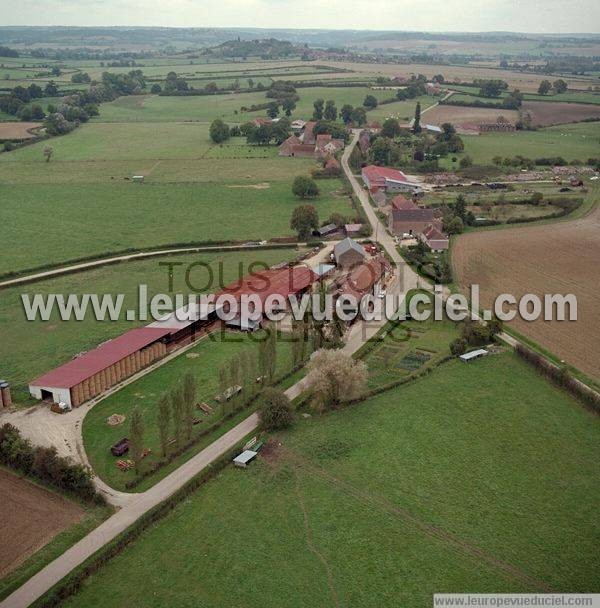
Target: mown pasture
{"x":572,"y":142}
{"x":86,"y":220}
{"x":434,"y":485}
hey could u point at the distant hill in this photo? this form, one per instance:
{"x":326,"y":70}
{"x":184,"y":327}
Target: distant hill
{"x":269,"y":48}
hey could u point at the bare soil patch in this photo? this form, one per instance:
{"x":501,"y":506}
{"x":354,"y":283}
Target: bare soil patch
{"x":554,"y":258}
{"x":29,"y":518}
{"x":17,"y":130}
{"x":546,"y":113}
{"x":261,"y":186}
{"x":458,"y":115}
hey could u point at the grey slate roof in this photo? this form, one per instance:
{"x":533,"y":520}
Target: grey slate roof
{"x":346,"y":245}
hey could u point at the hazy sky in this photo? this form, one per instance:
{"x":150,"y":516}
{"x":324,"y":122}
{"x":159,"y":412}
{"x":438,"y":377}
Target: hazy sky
{"x":428,"y":15}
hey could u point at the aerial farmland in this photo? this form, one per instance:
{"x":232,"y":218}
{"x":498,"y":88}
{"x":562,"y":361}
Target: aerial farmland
{"x":176,"y":429}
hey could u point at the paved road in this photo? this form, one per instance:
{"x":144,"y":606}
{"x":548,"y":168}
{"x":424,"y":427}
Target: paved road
{"x":407,"y":277}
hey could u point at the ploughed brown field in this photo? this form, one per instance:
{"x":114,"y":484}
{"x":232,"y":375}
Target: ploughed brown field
{"x":17,"y":130}
{"x":560,"y":258}
{"x":546,"y":113}
{"x":458,"y":115}
{"x":29,"y":518}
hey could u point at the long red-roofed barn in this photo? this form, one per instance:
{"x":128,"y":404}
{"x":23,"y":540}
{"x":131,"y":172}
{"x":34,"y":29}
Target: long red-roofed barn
{"x":90,"y":374}
{"x":386,"y":179}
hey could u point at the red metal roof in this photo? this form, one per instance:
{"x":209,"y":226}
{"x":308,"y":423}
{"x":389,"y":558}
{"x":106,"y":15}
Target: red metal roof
{"x":376,"y":174}
{"x":85,"y":366}
{"x":264,"y":283}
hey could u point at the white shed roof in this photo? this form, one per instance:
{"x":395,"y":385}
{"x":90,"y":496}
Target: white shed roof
{"x":244,"y":458}
{"x":480,"y":352}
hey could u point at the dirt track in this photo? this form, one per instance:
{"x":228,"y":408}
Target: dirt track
{"x":29,"y":517}
{"x":554,"y":258}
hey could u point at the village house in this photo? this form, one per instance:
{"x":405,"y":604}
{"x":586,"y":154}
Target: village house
{"x":401,"y":202}
{"x":413,"y":221}
{"x":308,"y":145}
{"x":435,"y":238}
{"x":348,"y":253}
{"x":386,"y":179}
{"x":325,"y":145}
{"x":366,"y":279}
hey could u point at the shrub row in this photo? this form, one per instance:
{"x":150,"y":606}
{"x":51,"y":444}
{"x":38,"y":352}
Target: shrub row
{"x":560,"y":376}
{"x":45,"y":465}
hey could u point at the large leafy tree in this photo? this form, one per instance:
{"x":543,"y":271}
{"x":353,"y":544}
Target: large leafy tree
{"x":275,"y":410}
{"x":305,"y":187}
{"x":304,"y":220}
{"x":219,"y":131}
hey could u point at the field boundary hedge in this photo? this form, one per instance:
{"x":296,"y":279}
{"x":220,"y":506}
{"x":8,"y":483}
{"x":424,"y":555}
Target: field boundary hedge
{"x":560,"y":376}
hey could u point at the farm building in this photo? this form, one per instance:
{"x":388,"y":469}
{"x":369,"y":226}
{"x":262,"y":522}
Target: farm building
{"x":364,"y":279}
{"x":349,"y":253}
{"x":326,"y":230}
{"x":413,"y":221}
{"x":401,"y":202}
{"x":435,"y":238}
{"x":186,"y":324}
{"x":306,"y":145}
{"x":90,"y":374}
{"x":352,"y":229}
{"x":266,"y":284}
{"x":386,"y":179}
{"x":292,"y":146}
{"x":308,"y":136}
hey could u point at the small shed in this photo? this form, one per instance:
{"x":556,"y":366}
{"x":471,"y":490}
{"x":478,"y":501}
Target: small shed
{"x":138,"y":178}
{"x":245,"y":458}
{"x":474,"y":354}
{"x":327,"y":229}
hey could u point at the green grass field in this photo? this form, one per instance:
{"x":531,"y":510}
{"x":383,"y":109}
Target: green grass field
{"x":432,"y":487}
{"x":29,"y":349}
{"x":572,"y":142}
{"x":210,"y":353}
{"x":205,"y":108}
{"x":92,"y":219}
